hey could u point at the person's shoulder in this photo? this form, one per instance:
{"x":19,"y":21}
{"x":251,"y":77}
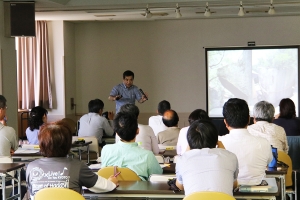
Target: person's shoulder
{"x":8,"y":129}
{"x":109,"y":146}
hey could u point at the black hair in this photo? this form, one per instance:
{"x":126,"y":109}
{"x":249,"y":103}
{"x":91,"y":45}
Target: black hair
{"x":36,"y":117}
{"x":236,"y":113}
{"x":198,"y":114}
{"x":202,"y":134}
{"x":128,"y":73}
{"x":163,"y":106}
{"x":172,"y":119}
{"x":2,"y":101}
{"x":287,"y":109}
{"x":130,"y":108}
{"x":95,"y":105}
{"x":125,"y":125}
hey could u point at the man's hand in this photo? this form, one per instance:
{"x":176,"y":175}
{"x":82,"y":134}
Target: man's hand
{"x":144,"y":98}
{"x":114,"y":180}
{"x":111,"y":115}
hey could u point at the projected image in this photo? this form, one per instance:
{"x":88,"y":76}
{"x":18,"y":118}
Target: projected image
{"x":253,"y":75}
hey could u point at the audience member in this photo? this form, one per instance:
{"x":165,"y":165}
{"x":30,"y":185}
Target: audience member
{"x":37,"y":117}
{"x":253,"y":153}
{"x":56,"y":170}
{"x":263,"y":114}
{"x":146,"y":138}
{"x":126,"y":92}
{"x":93,"y":124}
{"x":182,"y":143}
{"x":287,"y":118}
{"x":126,"y":152}
{"x":216,"y":169}
{"x":169,"y":137}
{"x":155,"y":122}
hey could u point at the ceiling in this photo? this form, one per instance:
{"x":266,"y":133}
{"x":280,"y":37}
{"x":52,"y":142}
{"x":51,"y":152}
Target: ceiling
{"x":134,"y":10}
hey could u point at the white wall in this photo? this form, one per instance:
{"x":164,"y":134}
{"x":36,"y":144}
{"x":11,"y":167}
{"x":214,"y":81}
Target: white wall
{"x":167,"y":57}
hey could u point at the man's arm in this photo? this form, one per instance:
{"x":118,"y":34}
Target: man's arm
{"x":114,"y":98}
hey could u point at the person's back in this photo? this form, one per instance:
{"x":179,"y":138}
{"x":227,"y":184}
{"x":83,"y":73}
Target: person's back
{"x":218,"y":167}
{"x":155,"y":122}
{"x":126,"y":152}
{"x":291,"y":126}
{"x":8,"y":140}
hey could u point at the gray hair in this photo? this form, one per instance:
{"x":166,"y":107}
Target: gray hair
{"x":263,"y":111}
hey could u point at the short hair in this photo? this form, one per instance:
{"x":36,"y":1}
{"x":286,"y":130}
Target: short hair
{"x":198,"y":114}
{"x":202,"y":134}
{"x":236,"y":113}
{"x":55,"y":139}
{"x":95,"y":105}
{"x":36,"y":117}
{"x":163,"y":106}
{"x":263,"y":111}
{"x":130,"y":108}
{"x":2,"y":101}
{"x":172,"y":119}
{"x":125,"y":125}
{"x":128,"y":73}
{"x":287,"y":109}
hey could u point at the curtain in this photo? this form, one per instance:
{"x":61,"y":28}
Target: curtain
{"x":33,"y":68}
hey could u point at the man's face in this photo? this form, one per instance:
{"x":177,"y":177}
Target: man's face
{"x":128,"y":81}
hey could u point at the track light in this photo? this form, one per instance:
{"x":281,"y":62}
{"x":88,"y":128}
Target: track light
{"x":207,"y":11}
{"x":177,"y":11}
{"x":148,"y":14}
{"x":241,"y":10}
{"x":271,"y":9}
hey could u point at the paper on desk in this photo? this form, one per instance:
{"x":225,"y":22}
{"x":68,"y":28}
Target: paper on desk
{"x":21,"y":150}
{"x":95,"y":166}
{"x":164,"y":165}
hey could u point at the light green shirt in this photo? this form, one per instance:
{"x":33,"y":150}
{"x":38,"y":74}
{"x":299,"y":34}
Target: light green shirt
{"x":129,"y":155}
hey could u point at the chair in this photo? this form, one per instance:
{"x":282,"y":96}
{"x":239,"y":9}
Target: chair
{"x":57,"y":194}
{"x":71,"y":123}
{"x":94,"y":148}
{"x":160,"y":159}
{"x":161,"y":177}
{"x":208,"y":195}
{"x":126,"y":174}
{"x":283,"y":157}
{"x":294,"y":149}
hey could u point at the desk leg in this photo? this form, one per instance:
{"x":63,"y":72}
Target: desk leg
{"x":3,"y":185}
{"x":79,"y":153}
{"x":282,"y":185}
{"x":19,"y":183}
{"x":88,"y":154}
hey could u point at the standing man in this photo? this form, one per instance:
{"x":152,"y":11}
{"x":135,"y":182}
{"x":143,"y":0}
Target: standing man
{"x":126,"y":92}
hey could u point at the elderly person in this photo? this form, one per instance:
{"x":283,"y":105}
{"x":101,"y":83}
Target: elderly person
{"x":57,"y":170}
{"x":287,"y":118}
{"x":263,"y":113}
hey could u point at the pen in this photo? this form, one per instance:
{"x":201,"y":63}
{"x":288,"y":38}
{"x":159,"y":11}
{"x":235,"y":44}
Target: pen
{"x":117,"y":174}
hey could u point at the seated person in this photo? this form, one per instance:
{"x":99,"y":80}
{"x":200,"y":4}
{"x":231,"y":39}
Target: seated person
{"x":253,"y":153}
{"x":205,"y":167}
{"x":57,"y":170}
{"x":126,"y":152}
{"x":182,"y":143}
{"x":37,"y":117}
{"x":146,"y":138}
{"x":93,"y":124}
{"x":263,"y":114}
{"x":155,"y":122}
{"x":169,"y":137}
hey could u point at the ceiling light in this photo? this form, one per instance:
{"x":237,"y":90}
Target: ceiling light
{"x":177,"y":11}
{"x":148,"y":14}
{"x":207,"y":11}
{"x":271,"y":9}
{"x":241,"y":10}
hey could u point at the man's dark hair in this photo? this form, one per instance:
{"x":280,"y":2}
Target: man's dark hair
{"x":131,"y":109}
{"x":236,"y":113}
{"x":128,"y":73}
{"x":2,"y":101}
{"x":95,"y":105}
{"x":202,"y":134}
{"x":170,"y":118}
{"x":163,"y":106}
{"x":287,"y":109}
{"x":197,"y":115}
{"x":36,"y":117}
{"x":125,"y":125}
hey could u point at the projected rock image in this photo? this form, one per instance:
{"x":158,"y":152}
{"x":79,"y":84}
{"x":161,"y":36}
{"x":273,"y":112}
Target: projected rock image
{"x":253,"y":75}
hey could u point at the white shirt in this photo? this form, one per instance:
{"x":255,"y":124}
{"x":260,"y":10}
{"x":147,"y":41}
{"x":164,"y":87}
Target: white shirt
{"x":207,"y":170}
{"x":273,"y":133}
{"x":182,"y":143}
{"x":253,"y":153}
{"x":145,"y":139}
{"x":156,"y":123}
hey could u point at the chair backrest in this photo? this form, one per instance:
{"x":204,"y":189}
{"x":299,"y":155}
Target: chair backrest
{"x":283,"y":157}
{"x":294,"y":149}
{"x":208,"y":195}
{"x":161,"y":177}
{"x":93,"y":147}
{"x":57,"y":194}
{"x":160,"y":159}
{"x":71,"y":123}
{"x":125,"y":175}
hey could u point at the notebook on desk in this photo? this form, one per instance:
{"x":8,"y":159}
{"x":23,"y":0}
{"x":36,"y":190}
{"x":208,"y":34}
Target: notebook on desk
{"x":270,"y":188}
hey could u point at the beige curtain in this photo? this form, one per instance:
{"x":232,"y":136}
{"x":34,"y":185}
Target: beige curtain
{"x":33,"y":65}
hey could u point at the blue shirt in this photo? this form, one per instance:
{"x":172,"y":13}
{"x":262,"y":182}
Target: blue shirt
{"x":130,"y":155}
{"x":32,"y":136}
{"x":129,"y":95}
